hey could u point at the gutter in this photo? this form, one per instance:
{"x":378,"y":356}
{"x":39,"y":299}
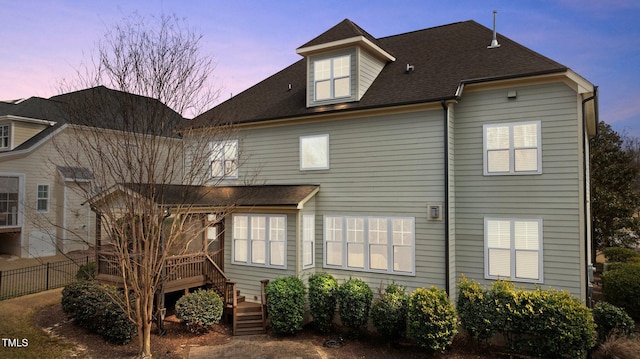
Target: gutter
{"x":445,"y":210}
{"x":589,"y":266}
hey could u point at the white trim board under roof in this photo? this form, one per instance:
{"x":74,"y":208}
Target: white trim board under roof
{"x":339,"y":44}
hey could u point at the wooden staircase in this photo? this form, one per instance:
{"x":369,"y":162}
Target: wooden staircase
{"x":246,"y":318}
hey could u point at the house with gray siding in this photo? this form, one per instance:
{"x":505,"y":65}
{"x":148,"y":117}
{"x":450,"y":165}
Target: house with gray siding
{"x":432,"y":154}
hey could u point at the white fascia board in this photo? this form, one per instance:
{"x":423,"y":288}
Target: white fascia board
{"x":357,"y":40}
{"x":26,"y":119}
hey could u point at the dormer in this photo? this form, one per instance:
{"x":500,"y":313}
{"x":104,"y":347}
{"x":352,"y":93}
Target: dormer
{"x":341,"y":64}
{"x":15,"y":130}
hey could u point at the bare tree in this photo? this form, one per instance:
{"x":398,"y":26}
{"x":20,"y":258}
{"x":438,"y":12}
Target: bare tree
{"x":127,"y":137}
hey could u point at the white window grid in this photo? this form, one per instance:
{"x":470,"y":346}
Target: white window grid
{"x":259,"y":240}
{"x":512,"y":149}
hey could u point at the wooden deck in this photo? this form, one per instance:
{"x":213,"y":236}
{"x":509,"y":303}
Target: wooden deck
{"x":197,"y":270}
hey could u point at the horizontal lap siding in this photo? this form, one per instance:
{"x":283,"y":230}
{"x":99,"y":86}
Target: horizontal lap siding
{"x":553,"y":196}
{"x":379,"y":166}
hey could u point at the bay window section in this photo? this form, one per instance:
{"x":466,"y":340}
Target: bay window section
{"x":259,"y":240}
{"x":373,"y":244}
{"x":308,"y":240}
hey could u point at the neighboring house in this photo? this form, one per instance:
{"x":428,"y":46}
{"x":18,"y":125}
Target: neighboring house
{"x":43,"y":210}
{"x":434,"y":155}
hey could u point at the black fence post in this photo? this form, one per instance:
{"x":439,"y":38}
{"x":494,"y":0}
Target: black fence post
{"x":47,"y":285}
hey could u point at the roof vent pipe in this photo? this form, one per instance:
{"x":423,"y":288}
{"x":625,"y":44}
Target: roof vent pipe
{"x":494,"y":42}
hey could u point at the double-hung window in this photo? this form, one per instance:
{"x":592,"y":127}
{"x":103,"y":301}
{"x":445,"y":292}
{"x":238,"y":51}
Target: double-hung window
{"x":42,"y":202}
{"x":512,"y":148}
{"x":224,"y":159}
{"x":372,"y":244}
{"x":332,"y":78}
{"x":5,"y":137}
{"x":513,"y":249}
{"x":308,"y":240}
{"x":259,"y":240}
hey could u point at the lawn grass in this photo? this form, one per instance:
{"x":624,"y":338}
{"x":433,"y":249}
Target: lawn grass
{"x":17,"y":322}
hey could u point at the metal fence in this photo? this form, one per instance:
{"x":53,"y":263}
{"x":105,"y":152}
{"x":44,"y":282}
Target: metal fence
{"x":22,"y":281}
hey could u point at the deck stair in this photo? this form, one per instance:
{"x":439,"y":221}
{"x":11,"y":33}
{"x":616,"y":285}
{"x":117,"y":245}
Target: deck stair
{"x":246,"y":318}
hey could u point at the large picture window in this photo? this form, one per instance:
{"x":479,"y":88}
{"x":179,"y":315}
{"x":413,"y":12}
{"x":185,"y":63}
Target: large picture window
{"x":513,"y":249}
{"x":375,"y":244}
{"x":512,"y":148}
{"x":224,"y":159}
{"x":260,"y":240}
{"x":332,"y":78}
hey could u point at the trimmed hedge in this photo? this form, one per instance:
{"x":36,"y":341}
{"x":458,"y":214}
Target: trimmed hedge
{"x":432,"y":319}
{"x":389,"y":312}
{"x":542,"y":323}
{"x":354,"y":297}
{"x":285,"y":304}
{"x":611,"y":321}
{"x":621,"y":287}
{"x":619,"y":254}
{"x":200,"y":310}
{"x":323,"y":289}
{"x":98,"y":308}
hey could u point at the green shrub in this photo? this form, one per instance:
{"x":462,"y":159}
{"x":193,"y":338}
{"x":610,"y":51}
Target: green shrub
{"x":611,"y":320}
{"x":475,"y":310}
{"x":285,"y":303}
{"x":73,"y":296}
{"x":200,"y":309}
{"x":621,"y":287}
{"x":552,"y":324}
{"x":354,"y":297}
{"x":98,"y":308}
{"x":432,"y":319}
{"x":323,"y":289}
{"x":389,"y":312}
{"x":619,"y":254}
{"x":86,"y":271}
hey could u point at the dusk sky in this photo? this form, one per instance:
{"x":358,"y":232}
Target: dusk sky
{"x":44,"y":42}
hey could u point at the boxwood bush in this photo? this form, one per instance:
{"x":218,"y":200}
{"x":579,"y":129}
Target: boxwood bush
{"x":475,"y":308}
{"x":323,"y":289}
{"x":621,"y":287}
{"x":200,"y":309}
{"x":99,"y":309}
{"x":285,"y":304}
{"x":389,"y":312}
{"x":432,"y":319}
{"x":619,"y":254}
{"x":542,"y":323}
{"x":86,"y":271}
{"x":354,"y":297}
{"x":611,"y":321}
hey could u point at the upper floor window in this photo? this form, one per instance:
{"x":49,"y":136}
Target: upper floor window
{"x":4,"y":136}
{"x":314,"y":152}
{"x":224,"y":159}
{"x":512,"y":148}
{"x":42,"y":204}
{"x":513,"y":249}
{"x":332,"y":78}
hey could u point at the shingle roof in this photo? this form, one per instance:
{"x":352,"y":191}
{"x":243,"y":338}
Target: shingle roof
{"x":97,"y":107}
{"x":223,"y":196}
{"x":443,"y":57}
{"x":344,"y":30}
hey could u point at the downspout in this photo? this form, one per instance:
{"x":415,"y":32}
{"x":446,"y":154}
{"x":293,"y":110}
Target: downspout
{"x":445,"y":210}
{"x":589,"y":266}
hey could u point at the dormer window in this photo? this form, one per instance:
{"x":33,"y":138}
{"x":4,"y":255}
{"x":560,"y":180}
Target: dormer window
{"x":332,"y":78}
{"x":4,"y":137}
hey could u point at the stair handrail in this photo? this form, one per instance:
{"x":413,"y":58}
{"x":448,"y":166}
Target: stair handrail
{"x":218,"y":277}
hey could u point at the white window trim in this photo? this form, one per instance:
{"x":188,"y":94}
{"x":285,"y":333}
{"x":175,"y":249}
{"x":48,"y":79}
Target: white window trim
{"x":332,"y":79}
{"x":267,"y":234}
{"x":512,"y":170}
{"x":48,"y":197}
{"x":317,"y":168}
{"x":221,"y":157}
{"x":366,"y":245}
{"x":311,"y":238}
{"x":513,"y":250}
